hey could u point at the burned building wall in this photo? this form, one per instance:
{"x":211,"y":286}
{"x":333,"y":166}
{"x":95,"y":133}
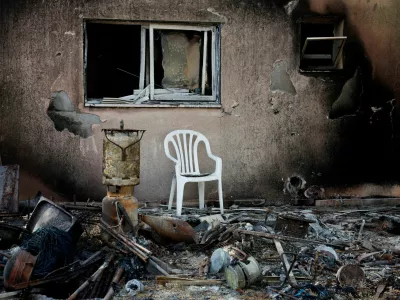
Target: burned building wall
{"x":370,"y":134}
{"x":376,"y":26}
{"x":272,"y":122}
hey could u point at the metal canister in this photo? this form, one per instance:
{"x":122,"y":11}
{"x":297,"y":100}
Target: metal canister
{"x":235,"y":277}
{"x":292,"y":225}
{"x":350,"y":275}
{"x":251,"y":270}
{"x":129,"y":203}
{"x":219,"y":260}
{"x":121,"y":156}
{"x":121,"y":172}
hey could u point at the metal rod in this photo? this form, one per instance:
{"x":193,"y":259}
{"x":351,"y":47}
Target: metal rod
{"x":91,"y":258}
{"x":142,"y":57}
{"x":124,"y":241}
{"x":151,"y":41}
{"x":161,"y":270}
{"x":93,"y":208}
{"x":116,"y":278}
{"x":287,"y":238}
{"x":361,"y":230}
{"x":92,"y":278}
{"x":204,"y":70}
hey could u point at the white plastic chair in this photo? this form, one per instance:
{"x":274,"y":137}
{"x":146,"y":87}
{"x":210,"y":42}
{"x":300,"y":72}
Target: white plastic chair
{"x":186,"y":143}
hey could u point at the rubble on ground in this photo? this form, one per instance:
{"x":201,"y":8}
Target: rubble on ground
{"x":67,"y":251}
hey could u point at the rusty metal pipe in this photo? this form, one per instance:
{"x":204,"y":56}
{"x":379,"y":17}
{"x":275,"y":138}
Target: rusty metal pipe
{"x":92,"y":278}
{"x":155,"y":265}
{"x":140,"y":247}
{"x":124,"y":241}
{"x":92,"y":257}
{"x":96,"y":287}
{"x":116,"y":278}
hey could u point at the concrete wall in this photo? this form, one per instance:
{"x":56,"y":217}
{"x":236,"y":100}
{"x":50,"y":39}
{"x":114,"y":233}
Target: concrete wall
{"x":273,"y":121}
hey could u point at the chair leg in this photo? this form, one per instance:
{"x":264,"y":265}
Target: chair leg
{"x":221,"y":197}
{"x":172,"y":193}
{"x":179,"y":197}
{"x":201,"y":186}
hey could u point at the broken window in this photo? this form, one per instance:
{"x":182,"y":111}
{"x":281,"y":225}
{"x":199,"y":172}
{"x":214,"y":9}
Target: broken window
{"x":322,"y":42}
{"x":151,"y":63}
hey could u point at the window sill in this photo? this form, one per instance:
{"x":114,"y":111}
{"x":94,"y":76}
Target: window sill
{"x":321,"y":70}
{"x":158,"y":105}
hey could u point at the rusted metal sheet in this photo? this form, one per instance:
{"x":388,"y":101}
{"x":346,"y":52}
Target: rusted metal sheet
{"x":9,"y":177}
{"x":18,"y":270}
{"x":292,"y":225}
{"x":171,"y":228}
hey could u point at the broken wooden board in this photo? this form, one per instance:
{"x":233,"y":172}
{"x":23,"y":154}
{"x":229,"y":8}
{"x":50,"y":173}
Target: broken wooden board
{"x":285,"y":261}
{"x":181,"y":281}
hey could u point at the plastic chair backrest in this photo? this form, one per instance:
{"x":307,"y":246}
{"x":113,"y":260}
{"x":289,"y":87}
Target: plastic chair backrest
{"x":186,"y":143}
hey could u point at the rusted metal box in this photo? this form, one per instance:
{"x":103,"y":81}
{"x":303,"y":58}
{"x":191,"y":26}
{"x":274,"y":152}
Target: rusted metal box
{"x":292,"y":225}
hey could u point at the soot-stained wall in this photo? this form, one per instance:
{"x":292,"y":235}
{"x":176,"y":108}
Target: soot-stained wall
{"x":273,"y":122}
{"x":370,"y":136}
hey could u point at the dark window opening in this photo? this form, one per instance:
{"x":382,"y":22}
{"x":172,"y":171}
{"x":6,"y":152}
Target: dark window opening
{"x":317,"y":30}
{"x":113,"y":60}
{"x":144,"y":63}
{"x":158,"y":61}
{"x":321,"y":45}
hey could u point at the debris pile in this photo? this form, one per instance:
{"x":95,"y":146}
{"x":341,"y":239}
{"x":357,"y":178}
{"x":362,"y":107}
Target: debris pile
{"x":67,"y":251}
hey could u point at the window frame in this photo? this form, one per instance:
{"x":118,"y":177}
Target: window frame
{"x":338,"y":35}
{"x":147,"y":91}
